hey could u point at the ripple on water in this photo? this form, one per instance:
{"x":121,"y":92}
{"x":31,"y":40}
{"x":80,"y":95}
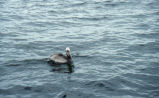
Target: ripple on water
{"x":151,"y":47}
{"x":149,"y":35}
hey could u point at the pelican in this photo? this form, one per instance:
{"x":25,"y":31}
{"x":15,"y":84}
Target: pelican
{"x":59,"y":58}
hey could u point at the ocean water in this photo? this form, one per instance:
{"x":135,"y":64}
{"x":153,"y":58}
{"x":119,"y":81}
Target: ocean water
{"x":114,"y":44}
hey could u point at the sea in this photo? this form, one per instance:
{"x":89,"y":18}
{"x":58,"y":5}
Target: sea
{"x":114,"y":46}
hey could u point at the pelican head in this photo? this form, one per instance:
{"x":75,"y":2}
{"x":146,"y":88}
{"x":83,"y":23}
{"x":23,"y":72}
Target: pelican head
{"x":68,"y":52}
{"x":67,"y":49}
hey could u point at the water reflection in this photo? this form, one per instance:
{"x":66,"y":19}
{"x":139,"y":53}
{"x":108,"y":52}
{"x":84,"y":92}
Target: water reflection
{"x":62,"y":68}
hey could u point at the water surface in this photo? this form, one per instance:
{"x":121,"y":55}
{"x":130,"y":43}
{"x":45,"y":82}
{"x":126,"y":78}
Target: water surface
{"x":114,"y":43}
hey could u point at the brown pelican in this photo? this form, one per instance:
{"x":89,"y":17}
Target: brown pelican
{"x":59,"y":58}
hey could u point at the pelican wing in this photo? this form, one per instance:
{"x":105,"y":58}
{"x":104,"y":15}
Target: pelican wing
{"x":59,"y":58}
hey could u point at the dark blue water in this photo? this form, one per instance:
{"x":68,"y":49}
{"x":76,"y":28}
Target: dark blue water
{"x":114,"y":43}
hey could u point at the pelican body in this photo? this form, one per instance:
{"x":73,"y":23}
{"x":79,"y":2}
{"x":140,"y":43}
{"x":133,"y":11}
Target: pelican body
{"x":59,"y":58}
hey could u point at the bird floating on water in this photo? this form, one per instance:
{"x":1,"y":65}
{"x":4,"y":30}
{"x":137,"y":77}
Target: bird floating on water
{"x":58,"y":59}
